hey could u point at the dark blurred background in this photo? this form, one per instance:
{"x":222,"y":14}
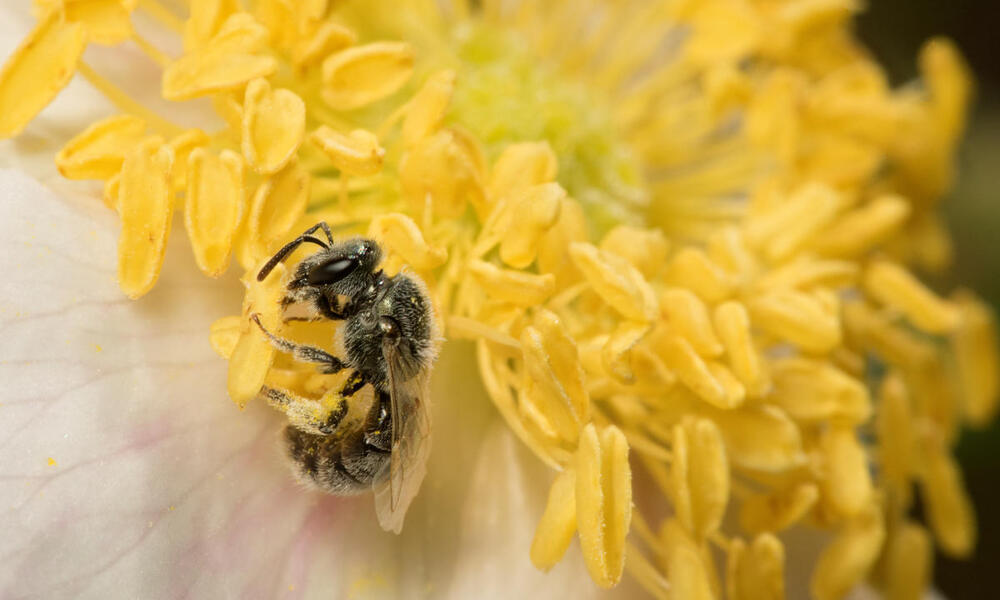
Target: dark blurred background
{"x":894,"y":31}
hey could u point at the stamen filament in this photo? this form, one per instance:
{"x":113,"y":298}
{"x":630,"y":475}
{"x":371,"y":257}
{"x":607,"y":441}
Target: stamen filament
{"x":163,"y":15}
{"x":125,"y":103}
{"x":159,"y":56}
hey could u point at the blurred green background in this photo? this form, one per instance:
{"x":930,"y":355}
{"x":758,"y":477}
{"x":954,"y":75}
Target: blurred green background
{"x":894,"y":31}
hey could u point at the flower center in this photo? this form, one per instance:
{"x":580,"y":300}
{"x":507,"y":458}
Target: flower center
{"x":507,"y":93}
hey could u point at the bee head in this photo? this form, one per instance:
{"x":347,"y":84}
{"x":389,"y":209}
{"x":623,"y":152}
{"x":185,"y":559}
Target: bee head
{"x":346,"y":268}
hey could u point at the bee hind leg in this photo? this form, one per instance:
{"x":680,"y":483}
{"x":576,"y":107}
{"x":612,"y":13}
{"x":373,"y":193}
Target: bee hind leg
{"x":365,"y":451}
{"x":305,"y":414}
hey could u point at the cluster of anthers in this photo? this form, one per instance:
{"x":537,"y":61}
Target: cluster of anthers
{"x":683,"y":229}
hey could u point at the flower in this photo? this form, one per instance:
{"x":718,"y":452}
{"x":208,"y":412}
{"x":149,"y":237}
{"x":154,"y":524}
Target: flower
{"x":684,"y":232}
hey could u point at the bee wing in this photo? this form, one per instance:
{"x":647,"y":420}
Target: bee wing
{"x":411,"y":443}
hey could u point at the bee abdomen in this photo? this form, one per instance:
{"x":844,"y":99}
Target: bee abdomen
{"x":337,"y":464}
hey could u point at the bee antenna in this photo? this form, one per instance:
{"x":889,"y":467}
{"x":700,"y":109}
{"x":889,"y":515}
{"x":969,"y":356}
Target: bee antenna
{"x":288,"y":248}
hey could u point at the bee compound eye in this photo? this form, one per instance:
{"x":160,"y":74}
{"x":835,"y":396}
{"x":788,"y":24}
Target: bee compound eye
{"x":332,"y":271}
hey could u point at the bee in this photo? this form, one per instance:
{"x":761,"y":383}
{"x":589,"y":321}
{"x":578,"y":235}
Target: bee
{"x":390,"y":343}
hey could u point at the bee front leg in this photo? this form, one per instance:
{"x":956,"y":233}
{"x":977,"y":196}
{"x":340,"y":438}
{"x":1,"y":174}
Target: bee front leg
{"x":331,"y":364}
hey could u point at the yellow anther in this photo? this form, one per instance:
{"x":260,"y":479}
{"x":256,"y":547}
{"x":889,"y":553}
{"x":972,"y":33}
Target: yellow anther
{"x":724,"y":32}
{"x":214,"y":207}
{"x":553,"y":247}
{"x":227,"y":61}
{"x":798,"y":318}
{"x":253,"y":354}
{"x":530,"y":213}
{"x":757,"y":572}
{"x":556,"y":379}
{"x":146,"y":206}
{"x":689,"y":567}
{"x":688,"y":317}
{"x":110,"y":192}
{"x":356,"y":153}
{"x":785,"y":229}
{"x":778,"y":510}
{"x":733,"y":326}
{"x":847,"y":485}
{"x":644,"y":248}
{"x":700,"y":476}
{"x":357,"y":76}
{"x":522,"y":164}
{"x":616,"y":281}
{"x":274,"y":122}
{"x":279,"y":202}
{"x":328,"y":38}
{"x":692,"y":269}
{"x":952,"y":517}
{"x":401,"y":235}
{"x":908,"y":559}
{"x":616,"y":355}
{"x":516,"y":287}
{"x":558,"y":523}
{"x":205,"y":21}
{"x":863,"y":229}
{"x":106,"y":22}
{"x":815,"y":391}
{"x":850,"y":556}
{"x":603,"y":502}
{"x":224,"y":333}
{"x":807,"y":273}
{"x":894,"y":424}
{"x":978,"y":359}
{"x":896,"y":287}
{"x":428,"y":107}
{"x":760,"y":437}
{"x":694,"y":372}
{"x":182,"y":145}
{"x":37,"y":70}
{"x":98,"y":151}
{"x":441,"y":170}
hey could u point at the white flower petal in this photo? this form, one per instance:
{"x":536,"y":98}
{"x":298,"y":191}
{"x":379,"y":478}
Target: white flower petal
{"x":158,"y":486}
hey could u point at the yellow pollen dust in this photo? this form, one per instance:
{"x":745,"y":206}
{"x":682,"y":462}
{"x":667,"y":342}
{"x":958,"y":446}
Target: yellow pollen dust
{"x":683,"y":237}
